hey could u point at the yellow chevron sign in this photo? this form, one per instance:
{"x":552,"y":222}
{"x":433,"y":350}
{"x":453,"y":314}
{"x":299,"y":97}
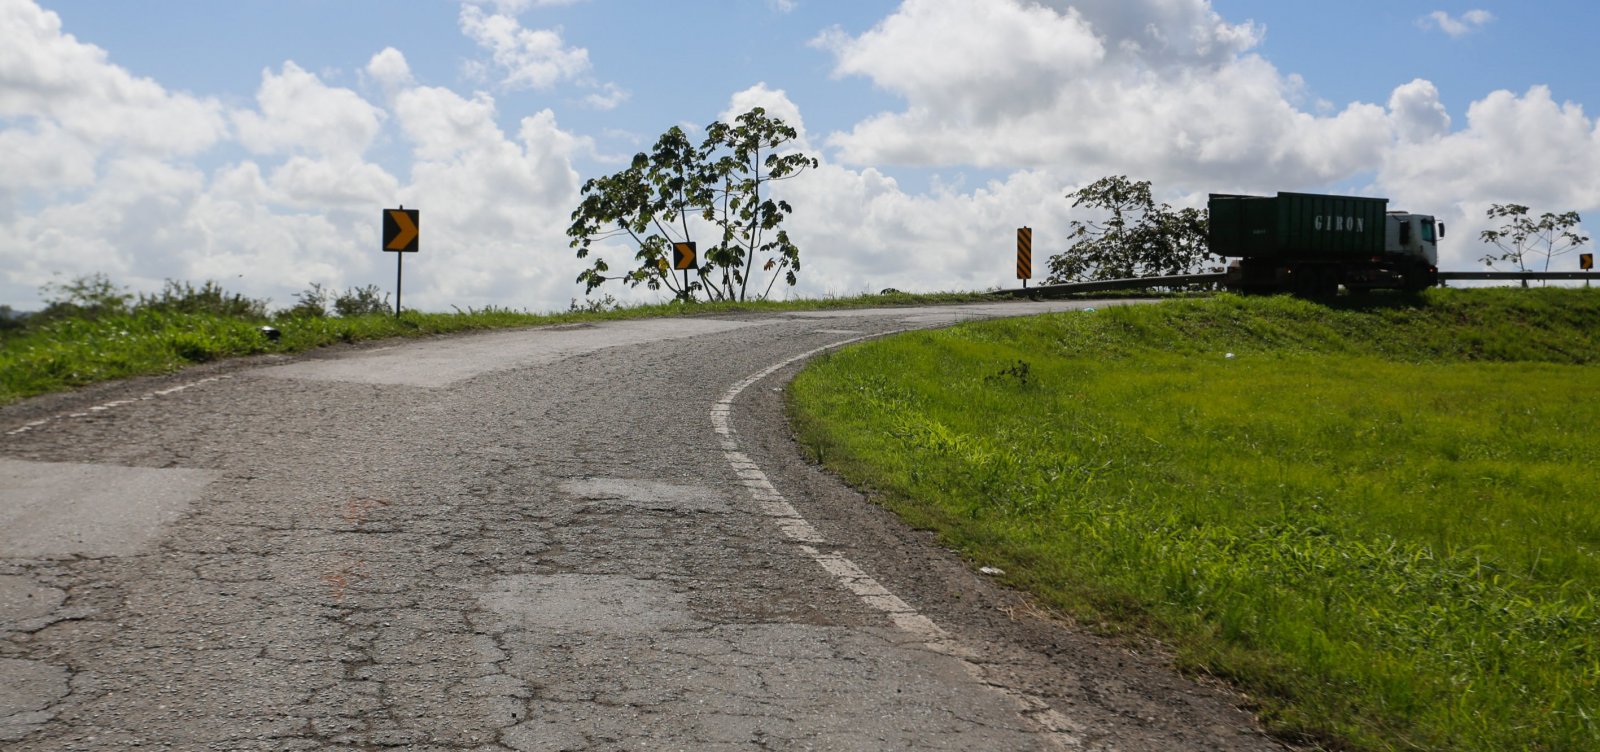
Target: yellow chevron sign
{"x":1585,"y":261}
{"x":683,"y":255}
{"x":400,"y":230}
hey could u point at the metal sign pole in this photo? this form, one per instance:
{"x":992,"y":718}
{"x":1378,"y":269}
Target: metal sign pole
{"x":399,"y":268}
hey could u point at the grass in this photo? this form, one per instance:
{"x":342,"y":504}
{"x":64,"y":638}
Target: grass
{"x":76,"y":351}
{"x":1380,"y":521}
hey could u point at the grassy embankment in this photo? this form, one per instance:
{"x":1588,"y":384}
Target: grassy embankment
{"x":1382,"y":522}
{"x":75,"y":351}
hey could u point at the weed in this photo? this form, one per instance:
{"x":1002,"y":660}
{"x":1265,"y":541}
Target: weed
{"x":1017,"y":372}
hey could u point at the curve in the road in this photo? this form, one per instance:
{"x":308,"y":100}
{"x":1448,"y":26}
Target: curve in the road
{"x":1060,"y":731}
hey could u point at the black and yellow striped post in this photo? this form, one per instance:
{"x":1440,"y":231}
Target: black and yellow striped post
{"x":1024,"y":254}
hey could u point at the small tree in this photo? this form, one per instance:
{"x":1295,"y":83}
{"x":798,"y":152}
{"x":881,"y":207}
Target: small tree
{"x":1137,"y":239}
{"x":86,"y":296}
{"x":662,"y":197}
{"x":362,"y":301}
{"x":1522,"y":238}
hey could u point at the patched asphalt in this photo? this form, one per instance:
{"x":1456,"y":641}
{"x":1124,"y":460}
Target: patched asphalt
{"x":527,"y":540}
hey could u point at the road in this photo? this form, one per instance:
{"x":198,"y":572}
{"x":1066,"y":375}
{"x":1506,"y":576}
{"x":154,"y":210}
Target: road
{"x":580,"y":537}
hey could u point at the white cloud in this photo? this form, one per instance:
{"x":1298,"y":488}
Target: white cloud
{"x":1471,"y":21}
{"x":389,"y":69}
{"x":974,"y":60}
{"x":299,"y":113}
{"x":67,"y":89}
{"x":608,"y":98}
{"x":442,"y":123}
{"x":332,"y":185}
{"x":513,"y":7}
{"x":1417,"y":113}
{"x":528,"y":58}
{"x":100,"y":170}
{"x":45,"y":157}
{"x":1163,"y":89}
{"x":125,"y":198}
{"x":777,"y":104}
{"x":1526,"y":149}
{"x":781,"y":6}
{"x":1160,"y":33}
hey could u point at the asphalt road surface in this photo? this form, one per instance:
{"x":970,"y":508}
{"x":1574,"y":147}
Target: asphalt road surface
{"x":582,"y":537}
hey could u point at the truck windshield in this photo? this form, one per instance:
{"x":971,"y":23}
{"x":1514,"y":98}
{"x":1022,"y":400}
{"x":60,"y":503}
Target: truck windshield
{"x":1427,"y":231}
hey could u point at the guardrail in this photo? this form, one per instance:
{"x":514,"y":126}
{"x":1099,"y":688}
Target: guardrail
{"x":1215,"y":278}
{"x":1518,"y":275}
{"x":1101,"y":285}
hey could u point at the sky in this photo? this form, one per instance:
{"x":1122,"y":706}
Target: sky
{"x":256,"y":142}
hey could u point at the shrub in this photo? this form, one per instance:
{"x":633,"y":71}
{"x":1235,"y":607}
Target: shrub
{"x":361,"y":301}
{"x":183,"y":297}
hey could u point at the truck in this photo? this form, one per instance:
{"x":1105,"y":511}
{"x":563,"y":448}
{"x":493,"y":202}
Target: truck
{"x":1311,"y":244}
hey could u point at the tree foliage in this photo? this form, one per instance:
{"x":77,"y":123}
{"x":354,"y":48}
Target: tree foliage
{"x":718,"y":189}
{"x":1137,"y":237}
{"x":1524,"y":240}
{"x":87,"y":296}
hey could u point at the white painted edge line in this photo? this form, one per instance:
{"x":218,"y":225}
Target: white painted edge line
{"x":34,"y":425}
{"x":1057,"y":728}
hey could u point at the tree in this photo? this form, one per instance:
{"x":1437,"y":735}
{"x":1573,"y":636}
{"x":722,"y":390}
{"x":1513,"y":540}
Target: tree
{"x":1522,"y":236}
{"x":85,"y":296}
{"x":1138,"y":239}
{"x":718,"y":188}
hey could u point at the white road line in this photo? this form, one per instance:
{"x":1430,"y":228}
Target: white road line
{"x":1057,"y":728}
{"x":36,"y":424}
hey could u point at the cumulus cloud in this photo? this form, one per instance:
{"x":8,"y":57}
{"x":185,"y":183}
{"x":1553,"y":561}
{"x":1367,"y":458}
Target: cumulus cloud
{"x":68,"y":90}
{"x":389,"y":69}
{"x":777,"y":104}
{"x":1417,"y":113}
{"x":513,"y":7}
{"x":1162,"y":88}
{"x":302,"y":208}
{"x":1042,"y":97}
{"x":1456,"y":26}
{"x":527,"y":58}
{"x":1526,"y":149}
{"x":299,"y":113}
{"x":973,"y":60}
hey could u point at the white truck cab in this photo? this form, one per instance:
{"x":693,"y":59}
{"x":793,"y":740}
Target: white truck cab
{"x":1415,"y":235}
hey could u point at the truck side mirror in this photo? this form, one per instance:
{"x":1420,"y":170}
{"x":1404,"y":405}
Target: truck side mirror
{"x":1441,"y":229}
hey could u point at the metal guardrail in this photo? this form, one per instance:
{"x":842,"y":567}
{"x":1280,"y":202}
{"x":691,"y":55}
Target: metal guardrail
{"x":1101,"y":285}
{"x":1184,"y":280}
{"x":1518,"y":275}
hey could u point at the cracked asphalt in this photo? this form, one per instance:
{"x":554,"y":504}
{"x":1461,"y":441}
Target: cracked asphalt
{"x":582,"y":537}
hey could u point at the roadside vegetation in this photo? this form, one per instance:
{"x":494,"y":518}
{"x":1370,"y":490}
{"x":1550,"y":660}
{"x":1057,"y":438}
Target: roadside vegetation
{"x":1379,"y":520}
{"x":92,"y":330}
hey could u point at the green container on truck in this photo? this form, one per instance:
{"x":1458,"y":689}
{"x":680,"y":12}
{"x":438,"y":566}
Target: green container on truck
{"x":1312,"y":244}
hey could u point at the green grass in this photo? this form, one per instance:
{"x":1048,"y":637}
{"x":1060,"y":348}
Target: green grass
{"x":1383,"y":522}
{"x":73,"y":352}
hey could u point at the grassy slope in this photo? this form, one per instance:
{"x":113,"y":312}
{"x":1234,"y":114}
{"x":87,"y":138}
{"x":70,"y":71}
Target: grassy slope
{"x":75,"y":352}
{"x":1382,"y":522}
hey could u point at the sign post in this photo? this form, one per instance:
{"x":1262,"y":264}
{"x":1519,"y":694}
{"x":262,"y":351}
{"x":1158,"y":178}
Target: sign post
{"x":400,"y":235}
{"x":1024,"y":255}
{"x":683,"y":257}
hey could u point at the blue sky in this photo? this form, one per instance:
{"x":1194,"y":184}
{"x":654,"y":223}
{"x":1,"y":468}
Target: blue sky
{"x":254,"y":142}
